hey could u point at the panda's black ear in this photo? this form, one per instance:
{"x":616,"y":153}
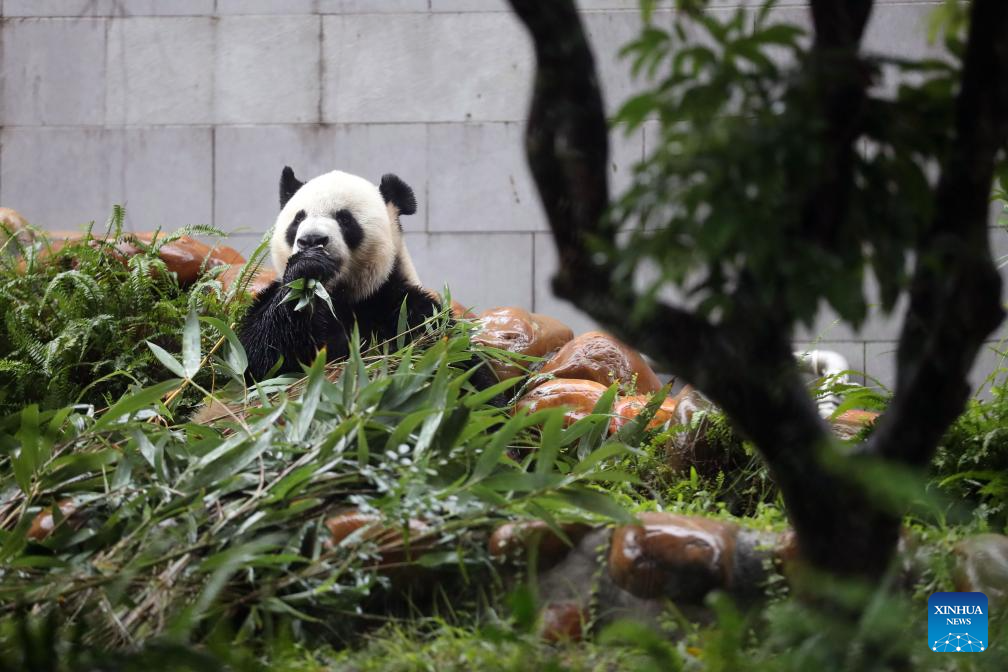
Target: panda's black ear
{"x":398,"y":193}
{"x":288,"y":185}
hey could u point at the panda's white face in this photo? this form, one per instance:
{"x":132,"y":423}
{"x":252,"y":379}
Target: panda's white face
{"x":346,"y":216}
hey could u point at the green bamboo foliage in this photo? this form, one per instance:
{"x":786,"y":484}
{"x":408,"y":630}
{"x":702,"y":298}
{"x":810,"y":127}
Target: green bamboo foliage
{"x":178,"y":528}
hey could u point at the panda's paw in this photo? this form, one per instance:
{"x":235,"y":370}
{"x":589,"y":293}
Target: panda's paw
{"x":313,"y":264}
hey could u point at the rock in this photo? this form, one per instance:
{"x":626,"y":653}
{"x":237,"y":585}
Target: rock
{"x":580,"y":579}
{"x":393,"y":548}
{"x":514,"y":539}
{"x":688,"y":402}
{"x":786,"y":552}
{"x":563,"y":622}
{"x":516,"y":330}
{"x":460,"y":312}
{"x":626,"y":409}
{"x":675,"y":556}
{"x":260,"y":280}
{"x":982,"y":566}
{"x":50,"y":247}
{"x":600,"y":357}
{"x":12,"y":224}
{"x":631,"y":572}
{"x":185,"y":257}
{"x":222,"y":254}
{"x":691,"y":447}
{"x":849,"y":424}
{"x":580,"y":396}
{"x":42,"y":524}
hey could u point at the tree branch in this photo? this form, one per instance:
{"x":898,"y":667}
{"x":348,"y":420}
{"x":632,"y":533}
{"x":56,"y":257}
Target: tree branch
{"x":567,"y":144}
{"x":840,"y":81}
{"x":955,"y":297}
{"x":840,"y":25}
{"x":745,"y":364}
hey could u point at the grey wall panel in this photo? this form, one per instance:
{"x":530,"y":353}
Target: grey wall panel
{"x":160,"y":71}
{"x":53,"y":72}
{"x":267,"y":69}
{"x":186,"y":111}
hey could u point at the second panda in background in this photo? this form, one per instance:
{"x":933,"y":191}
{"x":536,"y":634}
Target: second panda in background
{"x":343,"y":232}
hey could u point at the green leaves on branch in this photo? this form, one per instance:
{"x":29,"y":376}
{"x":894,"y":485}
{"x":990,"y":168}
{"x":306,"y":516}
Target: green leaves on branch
{"x":741,"y":200}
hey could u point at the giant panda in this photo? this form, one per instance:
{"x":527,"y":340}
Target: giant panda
{"x":343,"y":231}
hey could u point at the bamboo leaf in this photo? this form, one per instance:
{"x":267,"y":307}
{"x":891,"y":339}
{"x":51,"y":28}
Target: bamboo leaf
{"x":310,"y":398}
{"x":168,"y":360}
{"x":131,"y":403}
{"x":596,"y":502}
{"x":191,"y":345}
{"x":549,"y":443}
{"x":237,"y":359}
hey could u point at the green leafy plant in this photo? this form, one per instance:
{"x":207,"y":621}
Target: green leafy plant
{"x":972,"y":460}
{"x":74,"y":313}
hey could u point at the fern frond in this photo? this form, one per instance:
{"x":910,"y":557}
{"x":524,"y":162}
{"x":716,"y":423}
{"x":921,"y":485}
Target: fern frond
{"x":191,"y":230}
{"x":76,"y":281}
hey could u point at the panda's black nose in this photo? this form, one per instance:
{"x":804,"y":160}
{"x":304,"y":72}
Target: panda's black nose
{"x":312,"y":240}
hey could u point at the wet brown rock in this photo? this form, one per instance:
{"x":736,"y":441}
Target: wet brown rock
{"x":50,"y":247}
{"x":600,"y":357}
{"x":392,"y":544}
{"x":692,"y":448}
{"x":460,"y":312}
{"x":688,"y":402}
{"x":513,"y":539}
{"x":627,"y":408}
{"x":579,"y":396}
{"x":563,"y":622}
{"x":849,"y":423}
{"x":260,"y":280}
{"x":517,"y":330}
{"x":185,"y":257}
{"x":982,"y":566}
{"x":43,"y":524}
{"x":13,"y":224}
{"x":673,"y":556}
{"x":222,"y":254}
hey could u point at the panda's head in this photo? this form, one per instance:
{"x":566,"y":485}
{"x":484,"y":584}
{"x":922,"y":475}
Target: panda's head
{"x":354,"y":221}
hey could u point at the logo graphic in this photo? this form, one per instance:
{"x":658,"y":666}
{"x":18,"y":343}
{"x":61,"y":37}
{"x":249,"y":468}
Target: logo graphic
{"x":957,"y":622}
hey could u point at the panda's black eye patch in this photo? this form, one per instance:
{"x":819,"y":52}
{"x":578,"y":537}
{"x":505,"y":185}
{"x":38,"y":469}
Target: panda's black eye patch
{"x":353,"y":234}
{"x":293,"y":227}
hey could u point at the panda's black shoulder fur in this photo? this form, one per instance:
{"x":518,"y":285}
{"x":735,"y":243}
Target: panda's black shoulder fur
{"x":271,"y":331}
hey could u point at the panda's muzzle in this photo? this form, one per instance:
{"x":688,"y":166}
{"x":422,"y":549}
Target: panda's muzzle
{"x":310,"y":240}
{"x":314,"y":263}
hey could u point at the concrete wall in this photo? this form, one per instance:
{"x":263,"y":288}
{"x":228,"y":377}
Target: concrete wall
{"x":185,"y":111}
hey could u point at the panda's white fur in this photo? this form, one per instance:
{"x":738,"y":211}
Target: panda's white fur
{"x":364,"y":269}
